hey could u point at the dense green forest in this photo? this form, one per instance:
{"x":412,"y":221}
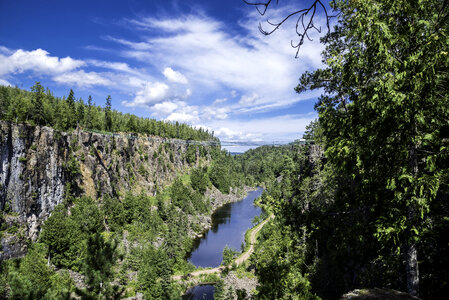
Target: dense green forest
{"x":365,"y":205}
{"x":373,"y":210}
{"x":123,"y":245}
{"x":325,"y":236}
{"x":40,"y":107}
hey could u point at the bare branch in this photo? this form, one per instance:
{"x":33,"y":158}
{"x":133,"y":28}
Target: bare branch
{"x":306,"y":24}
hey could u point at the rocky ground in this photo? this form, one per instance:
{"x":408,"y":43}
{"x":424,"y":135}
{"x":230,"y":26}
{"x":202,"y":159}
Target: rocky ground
{"x":240,"y":283}
{"x":377,"y":294}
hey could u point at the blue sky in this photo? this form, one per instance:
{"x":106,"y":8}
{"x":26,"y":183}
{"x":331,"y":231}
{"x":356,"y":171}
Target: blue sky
{"x":200,"y":62}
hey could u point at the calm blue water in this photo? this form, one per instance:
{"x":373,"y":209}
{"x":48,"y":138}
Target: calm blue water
{"x":229,"y":224}
{"x":200,"y":292}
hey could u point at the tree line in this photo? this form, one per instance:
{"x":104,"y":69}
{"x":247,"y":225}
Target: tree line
{"x":41,"y":107}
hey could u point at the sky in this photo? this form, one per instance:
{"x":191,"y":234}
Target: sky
{"x":204,"y":63}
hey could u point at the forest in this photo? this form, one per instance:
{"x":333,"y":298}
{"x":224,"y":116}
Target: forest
{"x":362,"y":204}
{"x":41,"y":107}
{"x":119,"y":245}
{"x":373,"y":211}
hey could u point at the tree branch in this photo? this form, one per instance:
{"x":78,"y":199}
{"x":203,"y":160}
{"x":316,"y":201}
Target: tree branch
{"x":303,"y":25}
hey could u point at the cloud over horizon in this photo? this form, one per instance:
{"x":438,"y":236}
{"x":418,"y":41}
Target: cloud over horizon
{"x":189,"y":68}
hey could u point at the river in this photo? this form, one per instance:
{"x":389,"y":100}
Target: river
{"x":229,"y":224}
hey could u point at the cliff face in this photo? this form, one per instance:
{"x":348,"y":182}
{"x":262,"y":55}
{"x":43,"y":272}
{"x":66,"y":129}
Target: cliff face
{"x":38,"y":164}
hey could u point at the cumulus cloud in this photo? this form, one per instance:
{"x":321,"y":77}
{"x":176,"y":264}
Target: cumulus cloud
{"x":38,"y":61}
{"x":209,"y":113}
{"x":279,"y":128}
{"x":174,"y":76}
{"x":165,"y":108}
{"x":151,"y":94}
{"x":184,"y":113}
{"x":5,"y":82}
{"x":82,"y":79}
{"x":203,"y":49}
{"x":183,"y":117}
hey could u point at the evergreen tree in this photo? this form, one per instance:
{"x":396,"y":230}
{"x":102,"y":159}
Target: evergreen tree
{"x":4,"y":102}
{"x":383,"y":113}
{"x":89,"y":112}
{"x":71,"y":112}
{"x":81,"y":112}
{"x":108,"y":114}
{"x":98,"y":265}
{"x":37,"y":113}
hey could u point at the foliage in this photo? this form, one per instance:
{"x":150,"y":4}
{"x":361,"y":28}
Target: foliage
{"x":32,"y":278}
{"x":100,"y":258}
{"x":200,"y":179}
{"x":383,"y":114}
{"x":228,"y":255}
{"x":155,"y":273}
{"x":280,"y":265}
{"x":43,"y":108}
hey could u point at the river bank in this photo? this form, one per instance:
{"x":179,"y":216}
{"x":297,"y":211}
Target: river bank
{"x":217,"y":200}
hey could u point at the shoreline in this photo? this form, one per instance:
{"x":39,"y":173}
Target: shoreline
{"x":218,"y":200}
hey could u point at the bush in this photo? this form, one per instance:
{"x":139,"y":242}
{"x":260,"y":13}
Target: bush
{"x":199,"y":180}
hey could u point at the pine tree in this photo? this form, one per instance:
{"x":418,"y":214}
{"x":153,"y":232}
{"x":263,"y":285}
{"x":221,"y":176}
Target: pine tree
{"x":383,"y":113}
{"x":108,"y":114}
{"x":98,"y":264}
{"x":89,"y":112}
{"x":37,"y":105}
{"x":81,"y":112}
{"x":4,"y":102}
{"x":71,"y":113}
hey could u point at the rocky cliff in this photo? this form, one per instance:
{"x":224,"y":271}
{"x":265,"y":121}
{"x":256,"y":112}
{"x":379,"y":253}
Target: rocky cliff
{"x":38,"y":165}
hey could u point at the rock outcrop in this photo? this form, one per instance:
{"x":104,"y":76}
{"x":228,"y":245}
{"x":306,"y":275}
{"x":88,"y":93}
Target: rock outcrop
{"x":38,"y":165}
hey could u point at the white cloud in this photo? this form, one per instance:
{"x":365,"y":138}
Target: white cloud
{"x":250,"y":100}
{"x":151,"y":94}
{"x":38,"y":61}
{"x":116,"y":66}
{"x":82,"y":79}
{"x":174,"y":76}
{"x":165,"y":108}
{"x":184,"y":113}
{"x":134,"y":45}
{"x":219,"y":101}
{"x":209,"y":113}
{"x":183,"y":117}
{"x":279,"y":128}
{"x":5,"y":82}
{"x":212,"y":58}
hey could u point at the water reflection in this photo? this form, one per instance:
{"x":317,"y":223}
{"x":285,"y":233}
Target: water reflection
{"x":229,"y":224}
{"x":203,"y":292}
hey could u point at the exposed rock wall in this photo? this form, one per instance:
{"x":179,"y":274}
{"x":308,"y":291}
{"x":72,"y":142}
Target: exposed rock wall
{"x":37,"y":164}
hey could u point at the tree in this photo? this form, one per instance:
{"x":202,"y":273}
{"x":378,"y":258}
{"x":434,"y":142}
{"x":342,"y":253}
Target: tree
{"x":34,"y":279}
{"x":199,"y":179}
{"x":304,"y":20}
{"x":89,"y":112}
{"x":228,"y":255}
{"x":98,"y":265}
{"x":131,"y":125}
{"x":71,"y":113}
{"x":37,"y":113}
{"x":80,"y":112}
{"x":384,"y":111}
{"x":108,"y":114}
{"x":4,"y":102}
